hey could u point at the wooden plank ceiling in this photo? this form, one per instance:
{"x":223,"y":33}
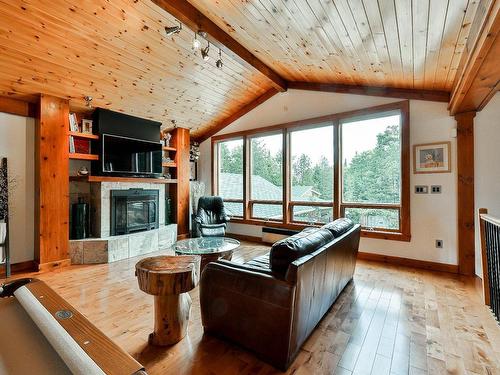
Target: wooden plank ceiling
{"x":400,"y":43}
{"x":117,"y":51}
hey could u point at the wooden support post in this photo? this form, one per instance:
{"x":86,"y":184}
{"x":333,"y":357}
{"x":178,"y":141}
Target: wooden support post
{"x":465,"y":191}
{"x":181,"y":141}
{"x":52,"y":183}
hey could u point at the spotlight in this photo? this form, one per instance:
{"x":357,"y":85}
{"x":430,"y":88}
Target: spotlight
{"x":219,"y":63}
{"x":173,"y":29}
{"x":204,"y":52}
{"x":196,"y":42}
{"x":88,"y":101}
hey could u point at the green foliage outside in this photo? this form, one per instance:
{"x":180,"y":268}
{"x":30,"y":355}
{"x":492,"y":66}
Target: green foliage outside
{"x":372,"y":176}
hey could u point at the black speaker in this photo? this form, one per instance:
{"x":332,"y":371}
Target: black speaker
{"x":80,"y":220}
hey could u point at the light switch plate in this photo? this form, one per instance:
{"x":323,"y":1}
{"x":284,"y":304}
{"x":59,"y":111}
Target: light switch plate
{"x":421,"y":189}
{"x":436,"y":189}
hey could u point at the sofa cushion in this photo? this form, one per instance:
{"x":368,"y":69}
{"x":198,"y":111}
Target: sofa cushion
{"x":294,"y":247}
{"x":339,"y":226}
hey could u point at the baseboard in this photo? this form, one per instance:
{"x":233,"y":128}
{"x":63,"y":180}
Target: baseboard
{"x":20,"y":267}
{"x":49,"y":266}
{"x":243,"y":237}
{"x":432,"y":266}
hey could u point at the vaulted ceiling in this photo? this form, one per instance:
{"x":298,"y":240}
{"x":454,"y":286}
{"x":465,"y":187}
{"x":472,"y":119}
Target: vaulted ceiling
{"x":117,"y":51}
{"x":399,"y":43}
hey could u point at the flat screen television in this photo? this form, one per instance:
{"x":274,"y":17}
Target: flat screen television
{"x":131,"y":157}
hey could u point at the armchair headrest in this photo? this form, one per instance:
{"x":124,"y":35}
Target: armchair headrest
{"x":215,"y":204}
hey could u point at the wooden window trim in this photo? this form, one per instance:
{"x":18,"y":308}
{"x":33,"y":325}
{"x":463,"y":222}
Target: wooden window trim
{"x":403,"y":234}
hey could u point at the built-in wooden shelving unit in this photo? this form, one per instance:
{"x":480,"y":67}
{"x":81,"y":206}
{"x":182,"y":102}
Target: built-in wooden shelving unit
{"x":77,"y":156}
{"x":169,"y":165}
{"x":169,"y":148}
{"x":83,"y":135}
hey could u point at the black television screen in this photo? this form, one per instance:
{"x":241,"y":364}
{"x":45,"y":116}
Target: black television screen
{"x":131,"y":156}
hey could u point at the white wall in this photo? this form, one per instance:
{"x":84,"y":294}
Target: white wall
{"x":17,"y":143}
{"x":487,"y":165}
{"x":432,"y":216}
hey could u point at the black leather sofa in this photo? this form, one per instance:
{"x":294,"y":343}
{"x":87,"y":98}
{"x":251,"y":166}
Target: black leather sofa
{"x":271,"y":304}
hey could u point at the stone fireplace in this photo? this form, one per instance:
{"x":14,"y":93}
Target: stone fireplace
{"x":127,"y":219}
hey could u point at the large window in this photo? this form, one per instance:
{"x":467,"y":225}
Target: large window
{"x":266,"y":178}
{"x":230,"y":175}
{"x":311,"y":172}
{"x":371,"y":170}
{"x":311,"y":195}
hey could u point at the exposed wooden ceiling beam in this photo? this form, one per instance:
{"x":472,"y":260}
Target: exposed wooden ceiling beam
{"x":478,"y":74}
{"x":389,"y":92}
{"x":195,"y":20}
{"x":243,"y":111}
{"x":17,"y":107}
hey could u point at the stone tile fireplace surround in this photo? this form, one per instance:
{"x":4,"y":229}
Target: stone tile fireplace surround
{"x":103,"y":248}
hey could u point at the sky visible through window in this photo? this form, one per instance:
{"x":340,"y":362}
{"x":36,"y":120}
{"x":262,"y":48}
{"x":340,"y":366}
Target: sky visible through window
{"x":362,"y":136}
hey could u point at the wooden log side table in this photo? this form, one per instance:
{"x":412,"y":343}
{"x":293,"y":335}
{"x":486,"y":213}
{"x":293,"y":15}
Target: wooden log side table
{"x":169,"y":279}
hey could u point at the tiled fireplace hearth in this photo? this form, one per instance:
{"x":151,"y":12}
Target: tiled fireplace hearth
{"x":105,"y":248}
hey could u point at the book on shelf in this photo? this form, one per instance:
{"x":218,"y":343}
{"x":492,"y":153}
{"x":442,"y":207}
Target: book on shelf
{"x":73,"y":122}
{"x":71,"y":144}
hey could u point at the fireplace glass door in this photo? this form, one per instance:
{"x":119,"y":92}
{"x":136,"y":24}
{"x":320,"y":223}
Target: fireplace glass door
{"x":133,"y":210}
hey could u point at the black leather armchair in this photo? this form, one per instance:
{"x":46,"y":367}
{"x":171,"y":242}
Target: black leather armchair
{"x":211,"y":218}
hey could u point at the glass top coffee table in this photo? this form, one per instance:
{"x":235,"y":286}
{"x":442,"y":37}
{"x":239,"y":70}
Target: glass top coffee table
{"x":209,"y":249}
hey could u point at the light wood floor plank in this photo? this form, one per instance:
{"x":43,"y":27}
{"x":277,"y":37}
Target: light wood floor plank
{"x":389,"y":320}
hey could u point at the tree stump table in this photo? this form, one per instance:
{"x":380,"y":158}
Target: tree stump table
{"x":169,"y":279}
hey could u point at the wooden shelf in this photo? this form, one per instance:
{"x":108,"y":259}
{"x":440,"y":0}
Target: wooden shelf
{"x":74,"y":155}
{"x":121,"y":179}
{"x":169,"y":148}
{"x":83,"y":135}
{"x":169,"y":165}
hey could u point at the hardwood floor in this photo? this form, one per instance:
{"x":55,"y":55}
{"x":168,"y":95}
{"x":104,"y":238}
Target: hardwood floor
{"x":390,"y":320}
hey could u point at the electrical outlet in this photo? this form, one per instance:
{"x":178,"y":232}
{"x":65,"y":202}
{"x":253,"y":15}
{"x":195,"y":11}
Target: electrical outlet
{"x":435,"y":189}
{"x":439,"y":244}
{"x":421,"y":189}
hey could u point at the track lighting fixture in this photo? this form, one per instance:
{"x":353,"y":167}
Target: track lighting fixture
{"x":196,"y":42}
{"x":174,"y":123}
{"x":219,"y":63}
{"x":204,"y":52}
{"x":173,"y":29}
{"x":88,"y":101}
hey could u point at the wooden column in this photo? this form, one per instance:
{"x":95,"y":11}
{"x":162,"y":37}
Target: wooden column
{"x":52,"y":183}
{"x":465,"y":191}
{"x":180,"y":138}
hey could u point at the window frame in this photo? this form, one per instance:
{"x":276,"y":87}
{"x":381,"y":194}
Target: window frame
{"x":251,"y":202}
{"x":404,"y":232}
{"x":291,"y":202}
{"x":216,"y":174}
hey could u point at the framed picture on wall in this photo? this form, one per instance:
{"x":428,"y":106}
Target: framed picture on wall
{"x":193,"y":175}
{"x":432,"y":158}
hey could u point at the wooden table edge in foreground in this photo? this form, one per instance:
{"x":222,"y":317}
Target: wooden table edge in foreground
{"x":110,"y":358}
{"x":169,"y":279}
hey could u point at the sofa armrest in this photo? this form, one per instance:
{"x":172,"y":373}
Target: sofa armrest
{"x":249,"y":307}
